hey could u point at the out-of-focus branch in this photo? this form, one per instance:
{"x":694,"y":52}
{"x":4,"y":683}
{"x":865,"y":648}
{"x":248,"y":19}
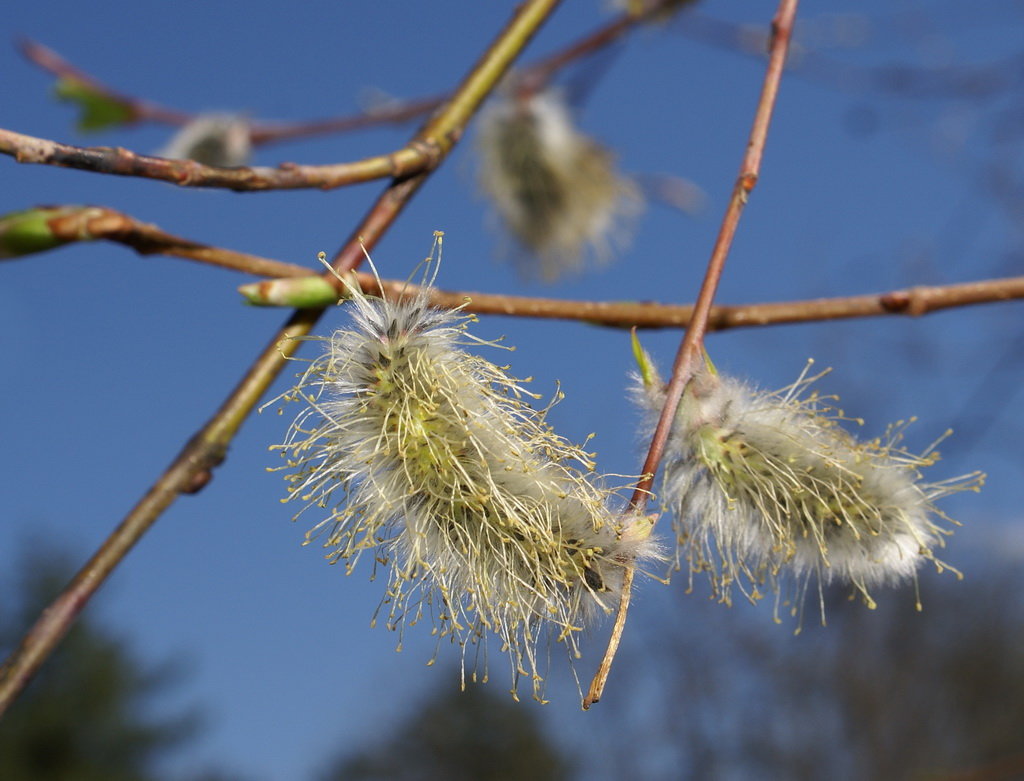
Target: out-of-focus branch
{"x":537,"y":75}
{"x":137,"y":110}
{"x":1005,"y":768}
{"x":908,"y":81}
{"x":693,"y":341}
{"x":533,"y":77}
{"x":193,"y":468}
{"x":140,"y":110}
{"x":391,"y":114}
{"x":296,"y":285}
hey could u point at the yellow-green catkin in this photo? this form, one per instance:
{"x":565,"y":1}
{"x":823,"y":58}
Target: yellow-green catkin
{"x":767,"y":488}
{"x":557,"y":191}
{"x":426,"y":458}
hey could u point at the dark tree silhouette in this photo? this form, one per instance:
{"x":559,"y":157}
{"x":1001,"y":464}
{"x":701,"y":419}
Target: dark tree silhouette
{"x":473,"y":735}
{"x":84,"y":717}
{"x":890,"y":693}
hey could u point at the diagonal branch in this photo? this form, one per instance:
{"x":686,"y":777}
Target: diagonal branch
{"x":192,"y":468}
{"x":693,"y":341}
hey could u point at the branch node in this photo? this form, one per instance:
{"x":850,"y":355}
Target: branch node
{"x":896,"y":301}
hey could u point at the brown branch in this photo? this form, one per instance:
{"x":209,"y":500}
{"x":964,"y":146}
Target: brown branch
{"x":192,"y":469}
{"x":401,"y":111}
{"x":913,"y":301}
{"x":72,"y":224}
{"x":69,"y":224}
{"x":419,"y":155}
{"x":693,"y":341}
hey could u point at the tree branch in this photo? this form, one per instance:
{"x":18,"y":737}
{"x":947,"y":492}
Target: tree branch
{"x":192,"y":469}
{"x":693,"y":341}
{"x":419,"y":155}
{"x":263,"y":132}
{"x":139,"y":110}
{"x":260,"y":132}
{"x":914,"y":301}
{"x":84,"y":223}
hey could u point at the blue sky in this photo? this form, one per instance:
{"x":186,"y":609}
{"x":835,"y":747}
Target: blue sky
{"x":111,"y":360}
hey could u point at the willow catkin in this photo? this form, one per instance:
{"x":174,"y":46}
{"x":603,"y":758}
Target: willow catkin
{"x":425,"y":456}
{"x":212,"y":139}
{"x":767,"y":487}
{"x":557,"y":190}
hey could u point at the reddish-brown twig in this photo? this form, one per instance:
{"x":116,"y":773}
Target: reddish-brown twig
{"x":94,"y":222}
{"x":192,"y":469}
{"x":392,"y":114}
{"x":682,"y":370}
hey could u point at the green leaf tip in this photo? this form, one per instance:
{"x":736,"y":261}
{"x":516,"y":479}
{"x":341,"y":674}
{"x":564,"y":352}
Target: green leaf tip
{"x":300,"y":292}
{"x":97,"y":111}
{"x":712,"y":369}
{"x":648,"y":373}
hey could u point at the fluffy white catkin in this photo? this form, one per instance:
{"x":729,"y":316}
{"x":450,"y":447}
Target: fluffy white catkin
{"x":556,"y":190}
{"x":425,"y":456}
{"x":766,"y":485}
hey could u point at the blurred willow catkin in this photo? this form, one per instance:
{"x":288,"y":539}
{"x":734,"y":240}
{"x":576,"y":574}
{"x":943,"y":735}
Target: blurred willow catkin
{"x":212,"y":139}
{"x":654,"y":11}
{"x":556,"y":190}
{"x":766,"y":485}
{"x":426,"y":456}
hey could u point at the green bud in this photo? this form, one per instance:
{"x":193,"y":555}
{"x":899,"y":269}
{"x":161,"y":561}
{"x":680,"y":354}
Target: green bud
{"x":299,"y":292}
{"x":648,"y":372}
{"x":29,"y":231}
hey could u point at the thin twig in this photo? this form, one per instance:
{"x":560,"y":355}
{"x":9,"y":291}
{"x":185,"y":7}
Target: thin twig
{"x":391,"y":114}
{"x":260,"y":132}
{"x":140,"y":110}
{"x":914,"y":302}
{"x":689,"y":349}
{"x":411,"y":159}
{"x":538,"y":75}
{"x":72,"y":224}
{"x":265,"y":132}
{"x":972,"y":82}
{"x":192,"y":469}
